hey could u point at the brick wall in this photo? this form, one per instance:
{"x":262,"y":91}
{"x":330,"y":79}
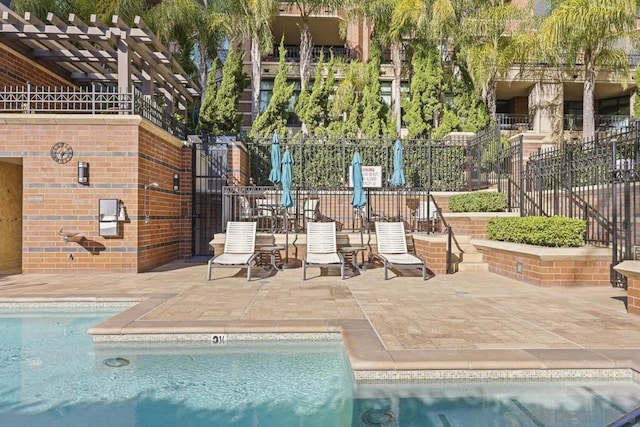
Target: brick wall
{"x":16,"y":70}
{"x":124,"y":153}
{"x":574,"y":267}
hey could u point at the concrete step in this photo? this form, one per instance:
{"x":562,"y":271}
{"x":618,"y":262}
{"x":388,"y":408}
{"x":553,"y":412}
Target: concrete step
{"x":472,"y":257}
{"x":473,"y":266}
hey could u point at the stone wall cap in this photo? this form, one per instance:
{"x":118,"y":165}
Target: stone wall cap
{"x":629,"y":269}
{"x":545,"y":253}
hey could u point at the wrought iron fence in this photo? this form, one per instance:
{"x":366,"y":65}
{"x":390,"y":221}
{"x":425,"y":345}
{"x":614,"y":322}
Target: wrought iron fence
{"x":449,"y":164}
{"x":87,"y":100}
{"x":262,"y":204}
{"x":598,"y":181}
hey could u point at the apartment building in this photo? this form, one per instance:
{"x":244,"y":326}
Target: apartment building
{"x":535,"y":99}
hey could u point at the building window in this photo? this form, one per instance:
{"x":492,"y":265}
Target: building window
{"x":266,"y":91}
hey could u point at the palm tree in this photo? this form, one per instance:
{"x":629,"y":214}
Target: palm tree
{"x":386,"y":33}
{"x":491,"y":35}
{"x":193,"y":24}
{"x":252,"y":20}
{"x":591,"y":33}
{"x":308,"y":8}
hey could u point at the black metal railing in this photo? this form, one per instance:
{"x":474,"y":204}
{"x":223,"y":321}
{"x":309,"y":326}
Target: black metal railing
{"x":597,"y":181}
{"x":519,"y":122}
{"x":450,"y":164}
{"x":262,"y":204}
{"x":31,"y":99}
{"x":607,"y":122}
{"x":293,"y":53}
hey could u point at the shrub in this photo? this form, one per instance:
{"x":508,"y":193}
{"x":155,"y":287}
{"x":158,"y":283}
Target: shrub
{"x":479,"y":201}
{"x":554,"y":231}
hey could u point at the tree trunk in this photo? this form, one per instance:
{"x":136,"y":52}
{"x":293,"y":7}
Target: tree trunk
{"x":491,"y":99}
{"x":396,"y":59}
{"x":588,"y":115}
{"x":305,"y":54}
{"x":305,"y":61}
{"x":202,"y":69}
{"x":256,"y":77}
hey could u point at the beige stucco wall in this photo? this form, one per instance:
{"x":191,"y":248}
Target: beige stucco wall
{"x":10,"y":215}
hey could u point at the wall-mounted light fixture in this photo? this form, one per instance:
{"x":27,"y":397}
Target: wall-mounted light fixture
{"x":83,"y":173}
{"x":176,"y":182}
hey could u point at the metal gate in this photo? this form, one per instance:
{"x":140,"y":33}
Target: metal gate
{"x":209,"y":177}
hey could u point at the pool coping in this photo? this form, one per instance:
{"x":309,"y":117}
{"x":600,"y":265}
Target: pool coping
{"x":367,"y":354}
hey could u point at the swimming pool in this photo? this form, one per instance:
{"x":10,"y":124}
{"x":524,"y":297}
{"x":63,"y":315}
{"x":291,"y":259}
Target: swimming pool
{"x":51,"y":373}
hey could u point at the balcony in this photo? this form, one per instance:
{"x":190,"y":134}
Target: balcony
{"x":602,"y":122}
{"x":87,"y":100}
{"x":293,"y":53}
{"x":519,"y":122}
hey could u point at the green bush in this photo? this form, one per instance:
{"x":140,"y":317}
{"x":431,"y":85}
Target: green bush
{"x":479,"y":201}
{"x":554,"y":231}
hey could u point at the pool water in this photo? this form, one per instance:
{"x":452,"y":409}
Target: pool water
{"x":534,"y":403}
{"x":52,"y":374}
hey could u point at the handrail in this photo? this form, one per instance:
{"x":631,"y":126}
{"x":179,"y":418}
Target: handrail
{"x":629,"y":419}
{"x":449,"y":231}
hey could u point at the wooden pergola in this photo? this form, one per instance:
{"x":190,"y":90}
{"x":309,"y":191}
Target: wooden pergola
{"x":115,"y":55}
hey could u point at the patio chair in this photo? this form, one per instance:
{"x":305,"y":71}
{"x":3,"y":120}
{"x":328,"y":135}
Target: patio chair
{"x":322,"y":248}
{"x":427,"y":215}
{"x":247,"y":212}
{"x":392,"y":249}
{"x":310,"y":211}
{"x":239,"y":248}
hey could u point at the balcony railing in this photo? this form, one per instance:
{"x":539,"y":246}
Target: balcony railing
{"x":602,"y":122}
{"x":520,"y":122}
{"x":87,"y":100}
{"x":293,"y":53}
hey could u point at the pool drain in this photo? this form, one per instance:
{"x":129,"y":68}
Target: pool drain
{"x":116,"y":362}
{"x":378,"y":417}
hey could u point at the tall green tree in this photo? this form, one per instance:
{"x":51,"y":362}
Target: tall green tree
{"x":127,"y":10}
{"x":590,"y":35}
{"x":252,"y":19}
{"x":219,"y":114}
{"x":424,"y":104}
{"x":346,"y":105}
{"x":312,"y":106}
{"x":208,"y":107}
{"x":375,"y":114}
{"x":273,"y":120}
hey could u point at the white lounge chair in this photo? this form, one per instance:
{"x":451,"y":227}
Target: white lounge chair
{"x":239,"y":248}
{"x":392,"y":248}
{"x":322,"y":248}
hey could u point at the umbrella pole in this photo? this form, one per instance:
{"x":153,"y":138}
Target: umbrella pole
{"x":293,"y":263}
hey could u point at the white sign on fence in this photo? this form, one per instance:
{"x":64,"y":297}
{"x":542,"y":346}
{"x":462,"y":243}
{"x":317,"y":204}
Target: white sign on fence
{"x":371,"y":176}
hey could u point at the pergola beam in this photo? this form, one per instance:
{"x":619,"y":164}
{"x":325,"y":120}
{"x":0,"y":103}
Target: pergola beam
{"x":99,"y":52}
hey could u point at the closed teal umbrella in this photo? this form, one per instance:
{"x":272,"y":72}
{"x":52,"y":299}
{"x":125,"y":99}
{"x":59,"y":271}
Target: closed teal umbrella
{"x":274,"y":175}
{"x":398,"y":179}
{"x":286,"y":201}
{"x":358,"y":200}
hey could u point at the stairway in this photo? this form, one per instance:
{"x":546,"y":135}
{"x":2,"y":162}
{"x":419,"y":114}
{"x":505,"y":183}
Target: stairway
{"x":470,"y":258}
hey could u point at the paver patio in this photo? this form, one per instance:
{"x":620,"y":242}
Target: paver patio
{"x":468,"y":320}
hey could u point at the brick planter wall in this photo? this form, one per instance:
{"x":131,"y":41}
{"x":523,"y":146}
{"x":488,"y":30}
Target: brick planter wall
{"x":547,"y":266}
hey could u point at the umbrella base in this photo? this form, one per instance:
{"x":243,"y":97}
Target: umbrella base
{"x":290,"y":264}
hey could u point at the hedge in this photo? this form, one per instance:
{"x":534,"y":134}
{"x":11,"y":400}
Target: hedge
{"x":554,"y":231}
{"x":479,"y":201}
